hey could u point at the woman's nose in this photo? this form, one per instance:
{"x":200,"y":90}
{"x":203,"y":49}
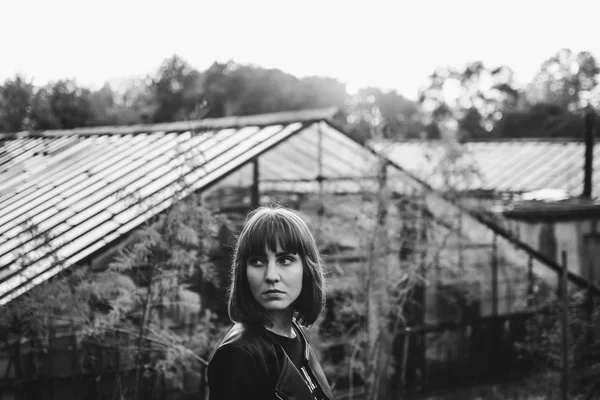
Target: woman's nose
{"x":271,"y":274}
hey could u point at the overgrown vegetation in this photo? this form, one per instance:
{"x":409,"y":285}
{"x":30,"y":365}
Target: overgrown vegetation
{"x":137,"y":318}
{"x":543,"y":343}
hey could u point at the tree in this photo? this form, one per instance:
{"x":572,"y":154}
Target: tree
{"x":383,"y":114}
{"x":253,"y":90}
{"x":319,"y":91}
{"x":469,"y":101}
{"x":103,"y":106}
{"x":70,"y":104}
{"x":177,"y":91}
{"x":541,"y":120}
{"x":42,"y":115}
{"x":217,"y":89}
{"x":235,"y":89}
{"x":133,"y":103}
{"x":137,"y":101}
{"x":15,"y":104}
{"x":565,"y":86}
{"x":62,"y":104}
{"x":568,"y":80}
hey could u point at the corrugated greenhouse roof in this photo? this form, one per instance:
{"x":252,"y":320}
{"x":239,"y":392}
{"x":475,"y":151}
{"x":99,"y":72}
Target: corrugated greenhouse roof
{"x":66,"y":194}
{"x":515,"y":166}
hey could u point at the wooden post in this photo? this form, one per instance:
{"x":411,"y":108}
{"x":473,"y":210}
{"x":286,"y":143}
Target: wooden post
{"x":75,"y":352}
{"x":589,"y":306}
{"x":373,"y":286}
{"x":18,"y":365}
{"x":98,"y":385}
{"x":461,"y":266}
{"x":118,"y":337}
{"x":51,"y":374}
{"x":565,"y":328}
{"x":255,"y":190}
{"x":405,"y":350}
{"x":530,"y":282}
{"x":203,"y":385}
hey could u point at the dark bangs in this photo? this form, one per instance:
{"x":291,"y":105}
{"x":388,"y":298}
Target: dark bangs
{"x":271,"y":230}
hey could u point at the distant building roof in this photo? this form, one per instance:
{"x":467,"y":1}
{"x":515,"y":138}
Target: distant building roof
{"x":515,"y":166}
{"x":568,"y":209}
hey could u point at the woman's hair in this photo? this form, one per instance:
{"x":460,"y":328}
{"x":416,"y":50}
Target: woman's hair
{"x":271,"y":226}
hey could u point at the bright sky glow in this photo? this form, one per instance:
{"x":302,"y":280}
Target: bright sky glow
{"x":391,"y":44}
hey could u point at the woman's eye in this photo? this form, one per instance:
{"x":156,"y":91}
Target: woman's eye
{"x":256,"y":262}
{"x":286,"y":261}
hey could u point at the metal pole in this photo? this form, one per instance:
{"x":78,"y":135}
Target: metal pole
{"x":565,"y":328}
{"x":320,"y":178}
{"x":589,"y":153}
{"x":320,"y":156}
{"x":495,"y":275}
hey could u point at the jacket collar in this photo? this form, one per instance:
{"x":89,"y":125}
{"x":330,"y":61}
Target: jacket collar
{"x":312,"y":362}
{"x":300,"y":332}
{"x":290,"y":382}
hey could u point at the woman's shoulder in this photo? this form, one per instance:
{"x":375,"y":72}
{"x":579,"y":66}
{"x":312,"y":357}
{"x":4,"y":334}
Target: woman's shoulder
{"x":243,"y":337}
{"x":244,"y":347}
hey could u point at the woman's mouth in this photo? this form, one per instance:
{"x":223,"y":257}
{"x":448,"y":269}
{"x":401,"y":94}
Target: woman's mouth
{"x":272,"y":291}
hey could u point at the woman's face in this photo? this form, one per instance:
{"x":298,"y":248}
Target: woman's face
{"x":275,"y":279}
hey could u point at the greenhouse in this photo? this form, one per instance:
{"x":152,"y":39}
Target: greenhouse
{"x":434,"y":289}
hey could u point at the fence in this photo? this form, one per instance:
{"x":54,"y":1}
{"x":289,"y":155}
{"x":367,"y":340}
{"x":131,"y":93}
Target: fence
{"x":459,"y":354}
{"x":429,"y":359}
{"x":97,"y":386}
{"x":450,"y":356}
{"x":68,"y":368}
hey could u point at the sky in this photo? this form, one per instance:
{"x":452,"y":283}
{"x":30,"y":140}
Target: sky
{"x":392,"y":44}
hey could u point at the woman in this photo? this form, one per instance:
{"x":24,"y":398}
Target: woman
{"x":276,"y":286}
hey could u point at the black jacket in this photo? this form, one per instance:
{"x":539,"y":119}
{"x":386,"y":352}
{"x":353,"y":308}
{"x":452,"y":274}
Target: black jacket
{"x":250,"y":364}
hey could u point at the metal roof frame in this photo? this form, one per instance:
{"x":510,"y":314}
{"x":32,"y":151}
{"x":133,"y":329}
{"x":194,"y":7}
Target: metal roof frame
{"x":74,"y":184}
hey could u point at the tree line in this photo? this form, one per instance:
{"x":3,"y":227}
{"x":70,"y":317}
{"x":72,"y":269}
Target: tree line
{"x":476,"y":101}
